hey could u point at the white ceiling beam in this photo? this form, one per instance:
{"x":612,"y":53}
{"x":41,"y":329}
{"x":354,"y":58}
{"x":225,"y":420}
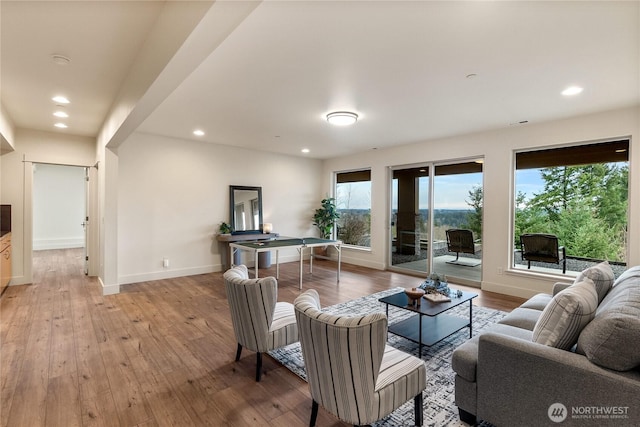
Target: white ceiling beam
{"x":165,"y":62}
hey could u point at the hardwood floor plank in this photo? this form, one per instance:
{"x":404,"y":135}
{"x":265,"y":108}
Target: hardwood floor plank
{"x":99,"y":411}
{"x":63,"y":402}
{"x":159,"y":353}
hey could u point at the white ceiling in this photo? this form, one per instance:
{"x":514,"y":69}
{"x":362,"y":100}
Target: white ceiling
{"x":401,"y":66}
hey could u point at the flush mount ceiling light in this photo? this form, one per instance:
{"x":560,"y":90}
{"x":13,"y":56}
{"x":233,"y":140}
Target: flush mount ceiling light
{"x":342,"y":118}
{"x":60,"y":99}
{"x":572,"y":90}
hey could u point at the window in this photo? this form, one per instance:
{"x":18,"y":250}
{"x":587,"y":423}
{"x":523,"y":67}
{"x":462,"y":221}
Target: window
{"x":578,"y":194}
{"x":353,"y":200}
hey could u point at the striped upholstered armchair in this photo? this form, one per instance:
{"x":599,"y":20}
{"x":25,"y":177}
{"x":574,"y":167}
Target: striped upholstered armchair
{"x":260,"y":322}
{"x":351,"y":371}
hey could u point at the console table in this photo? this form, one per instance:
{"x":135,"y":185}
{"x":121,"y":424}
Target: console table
{"x":226,"y":239}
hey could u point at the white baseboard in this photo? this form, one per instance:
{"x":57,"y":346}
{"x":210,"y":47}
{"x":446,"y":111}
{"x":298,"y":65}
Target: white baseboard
{"x":18,"y":280}
{"x":48,"y":244}
{"x":109,"y":289}
{"x":515,"y":291}
{"x":167,"y":274}
{"x":360,"y":262}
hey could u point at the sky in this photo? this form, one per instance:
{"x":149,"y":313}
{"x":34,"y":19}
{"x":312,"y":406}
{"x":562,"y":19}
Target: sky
{"x":451,"y":191}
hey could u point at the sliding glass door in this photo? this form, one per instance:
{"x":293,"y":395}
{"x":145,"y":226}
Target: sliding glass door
{"x":410,"y":218}
{"x":429,"y":202}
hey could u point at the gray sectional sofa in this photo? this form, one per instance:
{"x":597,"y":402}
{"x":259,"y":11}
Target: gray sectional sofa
{"x":570,"y":358}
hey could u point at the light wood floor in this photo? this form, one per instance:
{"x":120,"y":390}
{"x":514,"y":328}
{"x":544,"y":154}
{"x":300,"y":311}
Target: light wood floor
{"x":159,"y":353}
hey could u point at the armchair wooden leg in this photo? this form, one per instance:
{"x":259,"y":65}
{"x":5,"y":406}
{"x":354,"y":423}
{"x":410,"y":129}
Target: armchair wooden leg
{"x":258,"y":366}
{"x":238,"y":352}
{"x":417,"y":401}
{"x":314,"y":414}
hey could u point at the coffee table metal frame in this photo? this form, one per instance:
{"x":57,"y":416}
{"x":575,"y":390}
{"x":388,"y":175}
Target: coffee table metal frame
{"x":429,"y":325}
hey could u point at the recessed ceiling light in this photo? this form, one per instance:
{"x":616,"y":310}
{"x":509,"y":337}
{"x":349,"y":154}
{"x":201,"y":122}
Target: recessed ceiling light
{"x":305,"y":150}
{"x":572,"y":90}
{"x":60,"y":99}
{"x":60,"y":59}
{"x":621,"y":150}
{"x":198,"y":132}
{"x":61,"y":114}
{"x":61,"y":125}
{"x":472,"y":76}
{"x":342,"y":118}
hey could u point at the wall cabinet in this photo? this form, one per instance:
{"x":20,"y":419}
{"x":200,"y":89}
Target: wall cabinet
{"x":5,"y":261}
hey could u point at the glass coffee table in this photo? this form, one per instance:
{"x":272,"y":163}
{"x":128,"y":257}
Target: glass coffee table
{"x":430,"y":324}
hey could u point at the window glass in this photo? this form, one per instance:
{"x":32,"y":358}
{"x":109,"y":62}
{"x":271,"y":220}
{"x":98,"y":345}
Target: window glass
{"x":578,"y":194}
{"x":353,"y":200}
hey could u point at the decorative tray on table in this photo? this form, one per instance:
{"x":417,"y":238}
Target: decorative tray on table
{"x":437,"y":297}
{"x":437,"y":289}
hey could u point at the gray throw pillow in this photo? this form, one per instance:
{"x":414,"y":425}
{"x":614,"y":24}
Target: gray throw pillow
{"x":612,"y":338}
{"x":566,"y":315}
{"x":602,"y":276}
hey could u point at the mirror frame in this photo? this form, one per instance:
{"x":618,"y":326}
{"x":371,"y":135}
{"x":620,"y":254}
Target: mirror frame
{"x":232,"y":206}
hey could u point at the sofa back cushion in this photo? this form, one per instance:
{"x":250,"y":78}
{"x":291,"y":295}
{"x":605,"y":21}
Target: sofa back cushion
{"x":612,"y":338}
{"x":566,"y":315}
{"x":602,"y":276}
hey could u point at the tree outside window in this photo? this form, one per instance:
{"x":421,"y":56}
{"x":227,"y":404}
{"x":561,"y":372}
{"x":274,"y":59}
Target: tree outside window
{"x":353,"y":200}
{"x":579,"y":194}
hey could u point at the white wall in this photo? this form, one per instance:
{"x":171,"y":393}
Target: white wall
{"x":58,"y":206}
{"x":497,"y":147}
{"x":17,"y":184}
{"x":172,"y":195}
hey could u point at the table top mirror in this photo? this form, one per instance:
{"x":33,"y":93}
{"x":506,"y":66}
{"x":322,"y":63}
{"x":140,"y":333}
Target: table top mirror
{"x":245,"y":205}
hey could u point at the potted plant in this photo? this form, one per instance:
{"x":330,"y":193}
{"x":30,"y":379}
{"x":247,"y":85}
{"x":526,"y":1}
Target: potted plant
{"x":326,"y":216}
{"x":224,"y":228}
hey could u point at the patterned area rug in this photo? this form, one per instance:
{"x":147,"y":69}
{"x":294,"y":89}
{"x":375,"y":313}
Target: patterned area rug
{"x":439,"y":407}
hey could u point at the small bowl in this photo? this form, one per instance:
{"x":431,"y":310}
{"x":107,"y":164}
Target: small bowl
{"x":414,"y":294}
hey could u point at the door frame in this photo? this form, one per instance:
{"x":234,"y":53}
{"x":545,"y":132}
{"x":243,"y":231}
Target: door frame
{"x":92,"y":229}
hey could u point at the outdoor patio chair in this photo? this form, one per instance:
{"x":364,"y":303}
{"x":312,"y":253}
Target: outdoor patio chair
{"x":351,"y":370}
{"x":542,"y":248}
{"x":259,"y":322}
{"x":460,"y":240}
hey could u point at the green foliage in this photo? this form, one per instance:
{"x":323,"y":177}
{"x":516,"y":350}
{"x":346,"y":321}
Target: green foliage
{"x":585,"y":206}
{"x":529,"y":219}
{"x":224,"y":228}
{"x":474,"y":219}
{"x":325,"y":217}
{"x":584,"y":234}
{"x":353,"y":229}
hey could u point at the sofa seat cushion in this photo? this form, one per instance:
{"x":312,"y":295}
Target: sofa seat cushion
{"x":602,"y":277}
{"x":464,"y":360}
{"x":566,"y":315}
{"x":524,"y":318}
{"x":537,"y":302}
{"x":612,"y":338}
